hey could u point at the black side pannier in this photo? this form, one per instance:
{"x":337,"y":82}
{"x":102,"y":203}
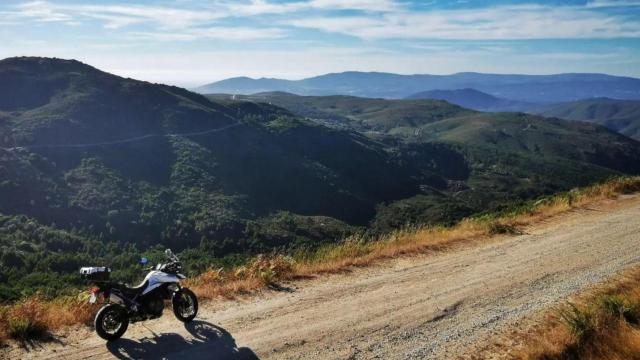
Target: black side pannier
{"x":96,"y":273}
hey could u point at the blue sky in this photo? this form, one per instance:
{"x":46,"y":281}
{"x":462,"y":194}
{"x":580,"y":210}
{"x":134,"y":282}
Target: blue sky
{"x":188,"y":42}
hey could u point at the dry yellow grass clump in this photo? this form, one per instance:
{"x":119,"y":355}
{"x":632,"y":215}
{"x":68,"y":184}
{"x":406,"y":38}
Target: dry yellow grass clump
{"x":604,"y":325}
{"x":34,"y":316}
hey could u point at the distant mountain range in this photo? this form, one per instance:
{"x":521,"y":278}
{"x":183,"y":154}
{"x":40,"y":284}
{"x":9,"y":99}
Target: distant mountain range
{"x":525,"y":88}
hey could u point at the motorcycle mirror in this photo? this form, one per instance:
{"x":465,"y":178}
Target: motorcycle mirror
{"x":144,"y":261}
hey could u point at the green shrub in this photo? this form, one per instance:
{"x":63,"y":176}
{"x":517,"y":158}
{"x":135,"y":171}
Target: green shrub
{"x":268,"y":276}
{"x":617,"y":306}
{"x":499,"y":228}
{"x":22,"y":328}
{"x":581,"y":322}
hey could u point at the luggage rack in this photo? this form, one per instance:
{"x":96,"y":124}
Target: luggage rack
{"x":96,"y":273}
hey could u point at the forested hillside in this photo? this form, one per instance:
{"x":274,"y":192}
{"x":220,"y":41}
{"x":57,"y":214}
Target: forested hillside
{"x":622,"y":116}
{"x":97,"y":169}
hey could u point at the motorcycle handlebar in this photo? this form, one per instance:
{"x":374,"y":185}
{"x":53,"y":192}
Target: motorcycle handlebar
{"x":169,"y":254}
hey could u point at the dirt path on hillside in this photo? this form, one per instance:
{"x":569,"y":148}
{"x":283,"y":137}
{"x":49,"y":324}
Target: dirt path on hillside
{"x":432,"y":306}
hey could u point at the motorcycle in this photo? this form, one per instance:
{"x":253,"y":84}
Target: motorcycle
{"x":124,"y":304}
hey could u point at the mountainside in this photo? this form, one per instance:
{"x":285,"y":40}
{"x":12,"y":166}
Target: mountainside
{"x":98,"y":169}
{"x":527,"y":88}
{"x":622,"y":116}
{"x":472,"y":99}
{"x":518,"y":132}
{"x":435,"y":120}
{"x":507,"y":153}
{"x":92,"y":123}
{"x":362,"y":114}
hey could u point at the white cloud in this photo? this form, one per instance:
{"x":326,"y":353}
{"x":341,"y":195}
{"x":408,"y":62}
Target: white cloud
{"x":612,"y":3}
{"x":363,"y":5}
{"x":40,"y":11}
{"x":114,"y":16}
{"x":118,"y":16}
{"x":181,"y":24}
{"x":259,"y":7}
{"x":216,"y":32}
{"x":496,"y":23}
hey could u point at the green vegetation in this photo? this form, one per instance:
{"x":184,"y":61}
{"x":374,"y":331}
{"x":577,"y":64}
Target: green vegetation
{"x":619,"y":115}
{"x":24,"y":329}
{"x":581,"y":322}
{"x":618,"y":306}
{"x":158,"y":174}
{"x":362,"y":114}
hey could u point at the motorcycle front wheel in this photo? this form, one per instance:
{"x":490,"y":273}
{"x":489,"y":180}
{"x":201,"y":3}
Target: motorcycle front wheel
{"x":111,"y":322}
{"x":185,"y":305}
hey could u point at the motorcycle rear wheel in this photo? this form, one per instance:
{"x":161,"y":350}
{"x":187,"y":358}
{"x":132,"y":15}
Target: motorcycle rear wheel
{"x":185,"y":305}
{"x":111,"y":322}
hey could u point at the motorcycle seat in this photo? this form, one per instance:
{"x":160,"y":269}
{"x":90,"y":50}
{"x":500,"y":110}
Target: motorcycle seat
{"x":134,"y":290}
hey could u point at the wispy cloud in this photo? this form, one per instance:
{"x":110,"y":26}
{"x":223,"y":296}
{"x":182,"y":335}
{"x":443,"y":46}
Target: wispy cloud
{"x":114,"y":16}
{"x":612,"y":3}
{"x":260,"y":7}
{"x":40,"y":11}
{"x":494,"y":23}
{"x":166,"y":23}
{"x":183,"y":24}
{"x":215,"y":32}
{"x":118,"y":16}
{"x":363,"y":5}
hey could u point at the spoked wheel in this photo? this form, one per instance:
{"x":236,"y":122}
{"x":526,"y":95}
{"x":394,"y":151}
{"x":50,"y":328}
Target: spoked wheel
{"x":185,"y":305}
{"x":111,"y":322}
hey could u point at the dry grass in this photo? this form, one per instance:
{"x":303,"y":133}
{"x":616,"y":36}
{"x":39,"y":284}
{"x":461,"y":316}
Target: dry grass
{"x":32,"y":318}
{"x":601,"y":325}
{"x":263,"y":271}
{"x":258,"y":273}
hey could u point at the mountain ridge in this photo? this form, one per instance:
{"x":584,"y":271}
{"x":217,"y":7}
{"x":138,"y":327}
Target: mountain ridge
{"x":472,"y":99}
{"x":529,"y":88}
{"x":619,"y":115}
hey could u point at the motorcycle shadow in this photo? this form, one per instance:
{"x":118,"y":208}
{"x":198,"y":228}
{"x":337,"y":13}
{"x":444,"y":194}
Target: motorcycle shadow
{"x":209,"y":342}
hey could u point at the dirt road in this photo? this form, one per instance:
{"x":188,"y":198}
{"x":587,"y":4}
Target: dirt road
{"x":431,"y":306}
